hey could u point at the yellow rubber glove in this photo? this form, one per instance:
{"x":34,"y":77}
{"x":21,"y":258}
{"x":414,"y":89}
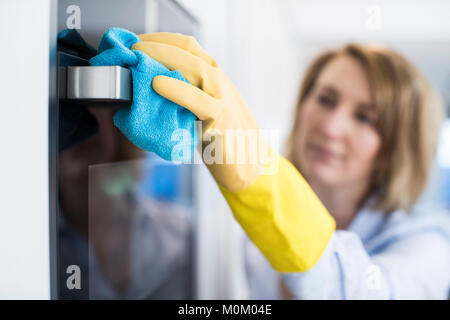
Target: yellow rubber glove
{"x":269,"y":198}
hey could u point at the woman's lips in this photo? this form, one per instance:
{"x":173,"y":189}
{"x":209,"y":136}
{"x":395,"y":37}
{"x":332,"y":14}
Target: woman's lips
{"x":322,"y":153}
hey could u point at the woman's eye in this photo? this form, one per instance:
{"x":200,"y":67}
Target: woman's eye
{"x":326,"y":101}
{"x":364,"y":118}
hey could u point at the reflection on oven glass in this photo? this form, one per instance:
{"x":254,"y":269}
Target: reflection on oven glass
{"x":125,"y":219}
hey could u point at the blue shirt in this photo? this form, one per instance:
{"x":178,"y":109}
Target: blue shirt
{"x":397,"y":256}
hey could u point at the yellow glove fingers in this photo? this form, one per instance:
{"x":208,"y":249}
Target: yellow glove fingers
{"x":194,"y":69}
{"x":186,"y":95}
{"x":181,"y":41}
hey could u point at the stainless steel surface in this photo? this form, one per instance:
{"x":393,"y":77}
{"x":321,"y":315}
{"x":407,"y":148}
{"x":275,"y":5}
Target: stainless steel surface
{"x":99,"y":15}
{"x":109,"y":83}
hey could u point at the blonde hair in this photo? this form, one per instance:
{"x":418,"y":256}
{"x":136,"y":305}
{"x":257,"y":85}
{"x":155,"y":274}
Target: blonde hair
{"x":409,"y":114}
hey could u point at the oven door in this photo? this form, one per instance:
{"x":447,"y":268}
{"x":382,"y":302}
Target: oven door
{"x":124,"y":219}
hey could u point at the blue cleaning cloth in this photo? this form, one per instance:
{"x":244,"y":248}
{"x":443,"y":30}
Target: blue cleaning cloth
{"x":152,"y":122}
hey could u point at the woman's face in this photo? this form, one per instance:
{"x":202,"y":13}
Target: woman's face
{"x":337,"y":142}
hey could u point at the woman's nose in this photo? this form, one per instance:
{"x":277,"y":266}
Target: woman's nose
{"x":335,"y":123}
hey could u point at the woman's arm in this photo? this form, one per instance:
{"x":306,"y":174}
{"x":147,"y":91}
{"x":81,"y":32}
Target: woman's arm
{"x":283,"y":217}
{"x":415,"y":266}
{"x":269,"y":198}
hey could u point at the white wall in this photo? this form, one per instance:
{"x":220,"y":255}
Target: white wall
{"x":420,"y":30}
{"x":363,"y":19}
{"x":24,"y":213}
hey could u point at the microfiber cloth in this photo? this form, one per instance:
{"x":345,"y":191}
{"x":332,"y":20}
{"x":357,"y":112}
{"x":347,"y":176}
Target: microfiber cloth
{"x":152,"y":123}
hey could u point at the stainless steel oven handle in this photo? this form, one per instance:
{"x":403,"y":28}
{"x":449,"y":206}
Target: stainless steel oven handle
{"x":95,"y":84}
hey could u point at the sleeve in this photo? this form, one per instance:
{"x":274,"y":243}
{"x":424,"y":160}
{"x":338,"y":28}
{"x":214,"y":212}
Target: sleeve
{"x":409,"y":267}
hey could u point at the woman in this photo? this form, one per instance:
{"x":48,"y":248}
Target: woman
{"x":364,"y":135}
{"x":339,"y":222}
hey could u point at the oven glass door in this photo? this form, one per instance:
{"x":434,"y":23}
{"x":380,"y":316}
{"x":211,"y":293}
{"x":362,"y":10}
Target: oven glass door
{"x":125,"y":218}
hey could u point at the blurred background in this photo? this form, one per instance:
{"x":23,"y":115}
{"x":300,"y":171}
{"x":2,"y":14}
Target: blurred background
{"x":264,"y":46}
